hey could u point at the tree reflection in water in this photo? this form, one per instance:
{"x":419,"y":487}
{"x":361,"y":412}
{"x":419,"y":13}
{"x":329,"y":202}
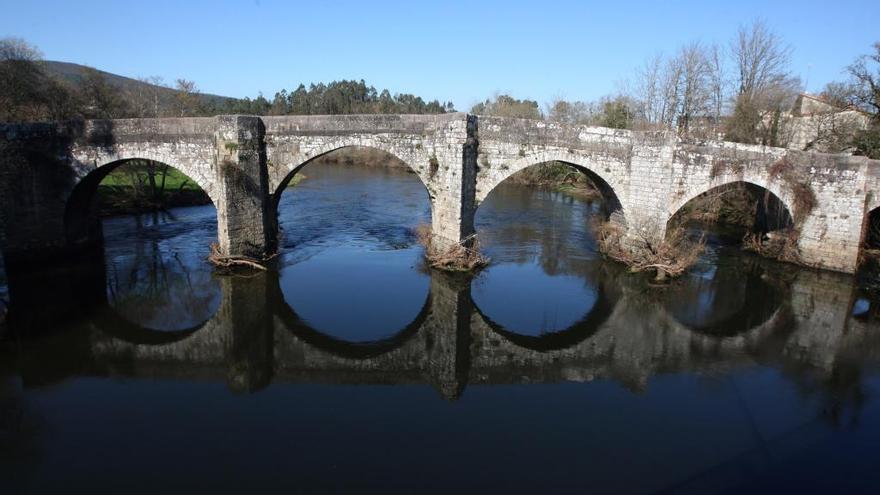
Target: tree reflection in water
{"x":158,"y":281}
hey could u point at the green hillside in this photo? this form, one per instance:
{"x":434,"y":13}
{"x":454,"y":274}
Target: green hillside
{"x":74,"y":74}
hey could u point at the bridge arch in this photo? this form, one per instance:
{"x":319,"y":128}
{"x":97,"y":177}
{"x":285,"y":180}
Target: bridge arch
{"x":410,"y":162}
{"x":871,"y":227}
{"x":606,"y":181}
{"x":81,"y":226}
{"x":199,"y":169}
{"x":418,"y":163}
{"x":110,"y":322}
{"x":781,"y":194}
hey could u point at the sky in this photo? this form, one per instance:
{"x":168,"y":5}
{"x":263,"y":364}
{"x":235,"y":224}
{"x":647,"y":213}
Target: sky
{"x":453,"y":51}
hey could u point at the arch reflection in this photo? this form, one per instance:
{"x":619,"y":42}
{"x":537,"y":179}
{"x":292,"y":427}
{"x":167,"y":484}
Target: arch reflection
{"x":574,"y":334}
{"x":733,"y":296}
{"x":300,"y":328}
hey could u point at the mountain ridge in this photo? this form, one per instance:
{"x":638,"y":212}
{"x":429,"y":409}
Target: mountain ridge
{"x":74,"y":73}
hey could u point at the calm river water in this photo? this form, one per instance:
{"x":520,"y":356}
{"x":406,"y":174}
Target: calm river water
{"x":353,"y":368}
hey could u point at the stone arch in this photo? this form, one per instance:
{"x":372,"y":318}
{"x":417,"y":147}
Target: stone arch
{"x":198,"y":168}
{"x":81,"y":226}
{"x":418,"y":162}
{"x":870,"y":237}
{"x":611,"y":187}
{"x":872,"y":202}
{"x":782,"y":194}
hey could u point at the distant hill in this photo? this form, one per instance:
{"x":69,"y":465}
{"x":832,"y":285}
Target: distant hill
{"x":73,"y":73}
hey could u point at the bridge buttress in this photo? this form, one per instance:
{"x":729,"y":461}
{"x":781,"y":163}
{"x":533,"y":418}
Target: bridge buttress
{"x":452,"y":182}
{"x":244,"y":224}
{"x":650,"y":183}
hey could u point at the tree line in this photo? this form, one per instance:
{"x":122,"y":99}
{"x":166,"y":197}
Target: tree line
{"x":740,"y":91}
{"x":29,"y":92}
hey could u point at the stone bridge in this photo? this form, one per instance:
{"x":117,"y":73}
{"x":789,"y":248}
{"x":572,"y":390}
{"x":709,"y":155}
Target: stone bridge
{"x":49,"y":174}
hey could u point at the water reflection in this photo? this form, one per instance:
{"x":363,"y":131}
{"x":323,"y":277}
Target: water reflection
{"x":161,"y":281}
{"x":739,"y":364}
{"x":351,"y":264}
{"x":738,"y":293}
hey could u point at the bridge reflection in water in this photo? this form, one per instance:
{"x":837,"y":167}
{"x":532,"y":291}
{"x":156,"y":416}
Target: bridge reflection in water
{"x":746,"y":312}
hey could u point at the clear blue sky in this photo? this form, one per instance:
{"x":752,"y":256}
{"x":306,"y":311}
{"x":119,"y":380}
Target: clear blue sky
{"x":459,"y":51}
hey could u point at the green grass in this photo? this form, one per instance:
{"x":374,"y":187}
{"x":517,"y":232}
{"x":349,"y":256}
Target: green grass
{"x":296,"y":179}
{"x":173,"y":180}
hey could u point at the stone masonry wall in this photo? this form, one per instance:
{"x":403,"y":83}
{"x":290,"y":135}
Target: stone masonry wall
{"x":244,"y":162}
{"x":432,"y":145}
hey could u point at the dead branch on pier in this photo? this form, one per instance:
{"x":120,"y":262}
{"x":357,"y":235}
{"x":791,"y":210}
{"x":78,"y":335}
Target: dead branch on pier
{"x":781,"y":245}
{"x":669,"y":257}
{"x":463,"y":256}
{"x":223,"y":261}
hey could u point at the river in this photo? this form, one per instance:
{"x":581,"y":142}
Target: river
{"x":353,"y":367}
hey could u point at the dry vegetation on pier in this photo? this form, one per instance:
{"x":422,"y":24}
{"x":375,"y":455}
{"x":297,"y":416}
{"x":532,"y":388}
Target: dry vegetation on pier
{"x":670,"y":257}
{"x":463,"y":256}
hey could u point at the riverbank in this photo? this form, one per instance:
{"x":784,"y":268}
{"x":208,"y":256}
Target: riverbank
{"x":127,"y":200}
{"x":555,"y":176}
{"x":560,"y":177}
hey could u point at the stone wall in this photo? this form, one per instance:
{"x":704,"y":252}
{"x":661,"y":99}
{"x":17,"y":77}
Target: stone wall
{"x":433,"y":146}
{"x":653,"y":175}
{"x":48,"y":173}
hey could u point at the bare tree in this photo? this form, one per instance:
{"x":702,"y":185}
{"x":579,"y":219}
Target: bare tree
{"x":762,"y":59}
{"x":19,"y":49}
{"x":101,"y":99}
{"x":27,"y":93}
{"x":765,"y":86}
{"x":21,"y":81}
{"x":647,"y":91}
{"x":146,"y":99}
{"x":717,"y":86}
{"x":866,"y":83}
{"x":187,"y":100}
{"x":671,"y":93}
{"x":571,"y":112}
{"x":866,"y":96}
{"x":693,"y":85}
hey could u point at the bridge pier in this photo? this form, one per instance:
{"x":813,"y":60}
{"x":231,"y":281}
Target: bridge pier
{"x":36,"y":179}
{"x":452,"y":185}
{"x":650,"y":184}
{"x":244,"y":225}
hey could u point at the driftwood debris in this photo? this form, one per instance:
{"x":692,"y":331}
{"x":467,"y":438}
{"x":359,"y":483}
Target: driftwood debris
{"x":223,"y":261}
{"x":463,"y":256}
{"x":670,"y":257}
